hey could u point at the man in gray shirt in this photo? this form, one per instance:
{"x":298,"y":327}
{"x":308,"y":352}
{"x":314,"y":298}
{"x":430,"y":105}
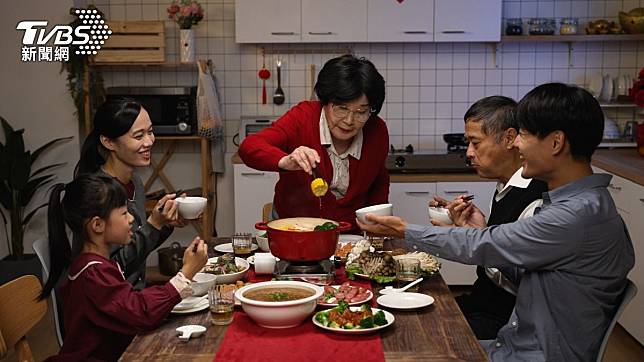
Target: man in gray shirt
{"x":576,"y":250}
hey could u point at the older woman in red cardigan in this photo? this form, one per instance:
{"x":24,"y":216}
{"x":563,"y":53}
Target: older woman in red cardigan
{"x":340,"y":138}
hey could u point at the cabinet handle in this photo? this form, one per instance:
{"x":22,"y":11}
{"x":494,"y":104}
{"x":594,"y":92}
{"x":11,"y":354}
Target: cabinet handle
{"x":453,"y":31}
{"x":416,"y":192}
{"x":252,"y":173}
{"x":282,"y":33}
{"x":642,"y":200}
{"x":415,"y":32}
{"x":613,"y":187}
{"x":457,"y":192}
{"x":320,"y":33}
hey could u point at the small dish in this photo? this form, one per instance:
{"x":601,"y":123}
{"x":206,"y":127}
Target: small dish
{"x":348,"y":238}
{"x":190,"y":331}
{"x":228,"y":248}
{"x":405,"y":300}
{"x":197,"y":308}
{"x":368,"y":292}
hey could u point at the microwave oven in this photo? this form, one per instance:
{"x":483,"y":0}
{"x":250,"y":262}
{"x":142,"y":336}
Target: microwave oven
{"x":253,"y":124}
{"x":173,"y":110}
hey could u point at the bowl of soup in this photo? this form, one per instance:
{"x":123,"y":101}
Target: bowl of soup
{"x":279,"y":304}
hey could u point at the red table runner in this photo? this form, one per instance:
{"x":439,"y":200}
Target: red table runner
{"x":245,"y":340}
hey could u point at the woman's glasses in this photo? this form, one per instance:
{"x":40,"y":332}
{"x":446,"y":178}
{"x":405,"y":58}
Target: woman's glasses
{"x":360,"y":115}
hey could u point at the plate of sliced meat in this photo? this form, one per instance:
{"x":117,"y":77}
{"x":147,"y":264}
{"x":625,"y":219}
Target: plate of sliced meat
{"x":352,"y":294}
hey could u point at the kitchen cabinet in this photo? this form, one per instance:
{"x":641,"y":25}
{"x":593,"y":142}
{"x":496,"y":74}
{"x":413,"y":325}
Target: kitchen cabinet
{"x":337,"y":21}
{"x":407,"y":21}
{"x":253,"y":189}
{"x":629,"y":200}
{"x":410,"y":203}
{"x":467,"y":20}
{"x":268,"y":21}
{"x":334,"y":21}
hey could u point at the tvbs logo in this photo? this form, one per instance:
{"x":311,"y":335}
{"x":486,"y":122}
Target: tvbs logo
{"x":88,"y":37}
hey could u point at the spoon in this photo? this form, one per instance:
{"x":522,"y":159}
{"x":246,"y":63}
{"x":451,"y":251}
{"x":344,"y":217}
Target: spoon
{"x":391,"y":290}
{"x":278,"y":96}
{"x":191,"y":330}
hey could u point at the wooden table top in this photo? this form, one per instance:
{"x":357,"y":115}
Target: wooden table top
{"x":623,"y":162}
{"x":435,"y":333}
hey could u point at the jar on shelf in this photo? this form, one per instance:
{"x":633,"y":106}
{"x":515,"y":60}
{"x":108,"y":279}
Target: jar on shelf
{"x":514,"y":26}
{"x":541,"y":26}
{"x":569,"y":26}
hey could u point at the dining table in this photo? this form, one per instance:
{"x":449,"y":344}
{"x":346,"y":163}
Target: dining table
{"x":438,"y":332}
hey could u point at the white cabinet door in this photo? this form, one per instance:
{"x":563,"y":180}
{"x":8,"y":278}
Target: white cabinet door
{"x":482,"y":191}
{"x":456,"y":273}
{"x":467,"y":20}
{"x":410,"y":200}
{"x":253,"y":189}
{"x":268,"y":21}
{"x":394,"y":21}
{"x":334,"y":21}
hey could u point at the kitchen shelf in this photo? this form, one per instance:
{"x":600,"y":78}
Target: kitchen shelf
{"x":570,"y":38}
{"x":618,"y":105}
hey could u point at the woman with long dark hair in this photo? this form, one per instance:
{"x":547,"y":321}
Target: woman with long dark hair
{"x":121,"y":141}
{"x":103,"y":312}
{"x":340,"y":136}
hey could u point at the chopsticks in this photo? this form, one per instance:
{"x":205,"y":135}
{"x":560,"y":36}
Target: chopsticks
{"x":468,"y":198}
{"x":177,"y":193}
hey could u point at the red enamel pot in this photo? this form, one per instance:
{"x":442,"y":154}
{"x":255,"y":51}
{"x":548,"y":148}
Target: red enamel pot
{"x":287,"y":242}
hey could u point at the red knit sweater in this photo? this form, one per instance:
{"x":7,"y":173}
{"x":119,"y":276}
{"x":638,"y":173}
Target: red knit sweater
{"x":368,"y":177}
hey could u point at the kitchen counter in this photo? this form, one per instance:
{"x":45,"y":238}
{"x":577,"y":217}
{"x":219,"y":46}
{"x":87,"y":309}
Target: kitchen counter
{"x":623,"y":162}
{"x":414,"y":177}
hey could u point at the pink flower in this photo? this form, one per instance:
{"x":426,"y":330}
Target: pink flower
{"x":173,"y":9}
{"x":194,"y":8}
{"x":185,"y":11}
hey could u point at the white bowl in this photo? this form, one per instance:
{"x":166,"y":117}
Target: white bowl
{"x":262,"y":241}
{"x":191,"y":207}
{"x":232,"y":277}
{"x":439,"y":213}
{"x":279,"y":314}
{"x":201,"y":282}
{"x":380,"y":210}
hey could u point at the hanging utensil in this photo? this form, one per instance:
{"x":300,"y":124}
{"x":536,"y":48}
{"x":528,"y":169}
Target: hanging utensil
{"x":312,"y":75}
{"x":263,"y":75}
{"x":278,"y":96}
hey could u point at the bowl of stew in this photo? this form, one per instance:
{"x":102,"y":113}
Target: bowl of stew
{"x":279,"y":304}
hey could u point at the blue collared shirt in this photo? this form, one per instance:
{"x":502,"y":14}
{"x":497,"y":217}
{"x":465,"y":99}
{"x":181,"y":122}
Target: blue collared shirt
{"x":576,"y":252}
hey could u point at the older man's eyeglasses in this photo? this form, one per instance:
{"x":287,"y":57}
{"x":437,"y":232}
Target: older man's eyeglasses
{"x":360,"y":115}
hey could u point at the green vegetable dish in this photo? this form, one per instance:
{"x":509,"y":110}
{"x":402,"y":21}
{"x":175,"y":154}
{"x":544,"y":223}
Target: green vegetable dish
{"x":326,"y":226}
{"x":342,"y":317}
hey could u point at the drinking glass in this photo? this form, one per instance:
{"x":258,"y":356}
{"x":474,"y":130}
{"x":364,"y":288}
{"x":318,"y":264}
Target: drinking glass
{"x":242,"y":244}
{"x":407,"y":270}
{"x":221,"y":306}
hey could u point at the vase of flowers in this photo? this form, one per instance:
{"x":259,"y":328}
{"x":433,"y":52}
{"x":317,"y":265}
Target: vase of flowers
{"x":186,"y":13}
{"x":637,"y":93}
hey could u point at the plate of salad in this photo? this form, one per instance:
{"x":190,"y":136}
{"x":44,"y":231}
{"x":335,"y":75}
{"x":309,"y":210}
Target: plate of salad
{"x":353,"y":320}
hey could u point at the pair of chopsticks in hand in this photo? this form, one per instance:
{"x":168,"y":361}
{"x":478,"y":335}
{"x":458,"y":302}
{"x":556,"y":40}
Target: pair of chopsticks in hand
{"x":176,"y":194}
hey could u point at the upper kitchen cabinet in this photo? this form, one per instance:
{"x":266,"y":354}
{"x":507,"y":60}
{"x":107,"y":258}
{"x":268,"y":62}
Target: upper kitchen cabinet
{"x":268,"y":21}
{"x":406,"y":21}
{"x":334,"y":21}
{"x":467,"y":20}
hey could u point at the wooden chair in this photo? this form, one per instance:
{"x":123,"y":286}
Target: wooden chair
{"x":20,"y":310}
{"x":267,"y":210}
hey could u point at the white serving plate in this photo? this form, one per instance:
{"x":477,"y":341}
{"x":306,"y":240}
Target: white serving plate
{"x":405,"y":300}
{"x":388,"y":316}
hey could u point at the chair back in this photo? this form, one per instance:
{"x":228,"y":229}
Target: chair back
{"x":20,"y":310}
{"x":267,"y":210}
{"x":41,"y":247}
{"x":629,"y":294}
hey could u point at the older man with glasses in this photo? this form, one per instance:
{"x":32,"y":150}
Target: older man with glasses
{"x":339,"y":138}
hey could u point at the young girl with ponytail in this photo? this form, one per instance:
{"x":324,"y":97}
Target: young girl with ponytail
{"x":102,"y":310}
